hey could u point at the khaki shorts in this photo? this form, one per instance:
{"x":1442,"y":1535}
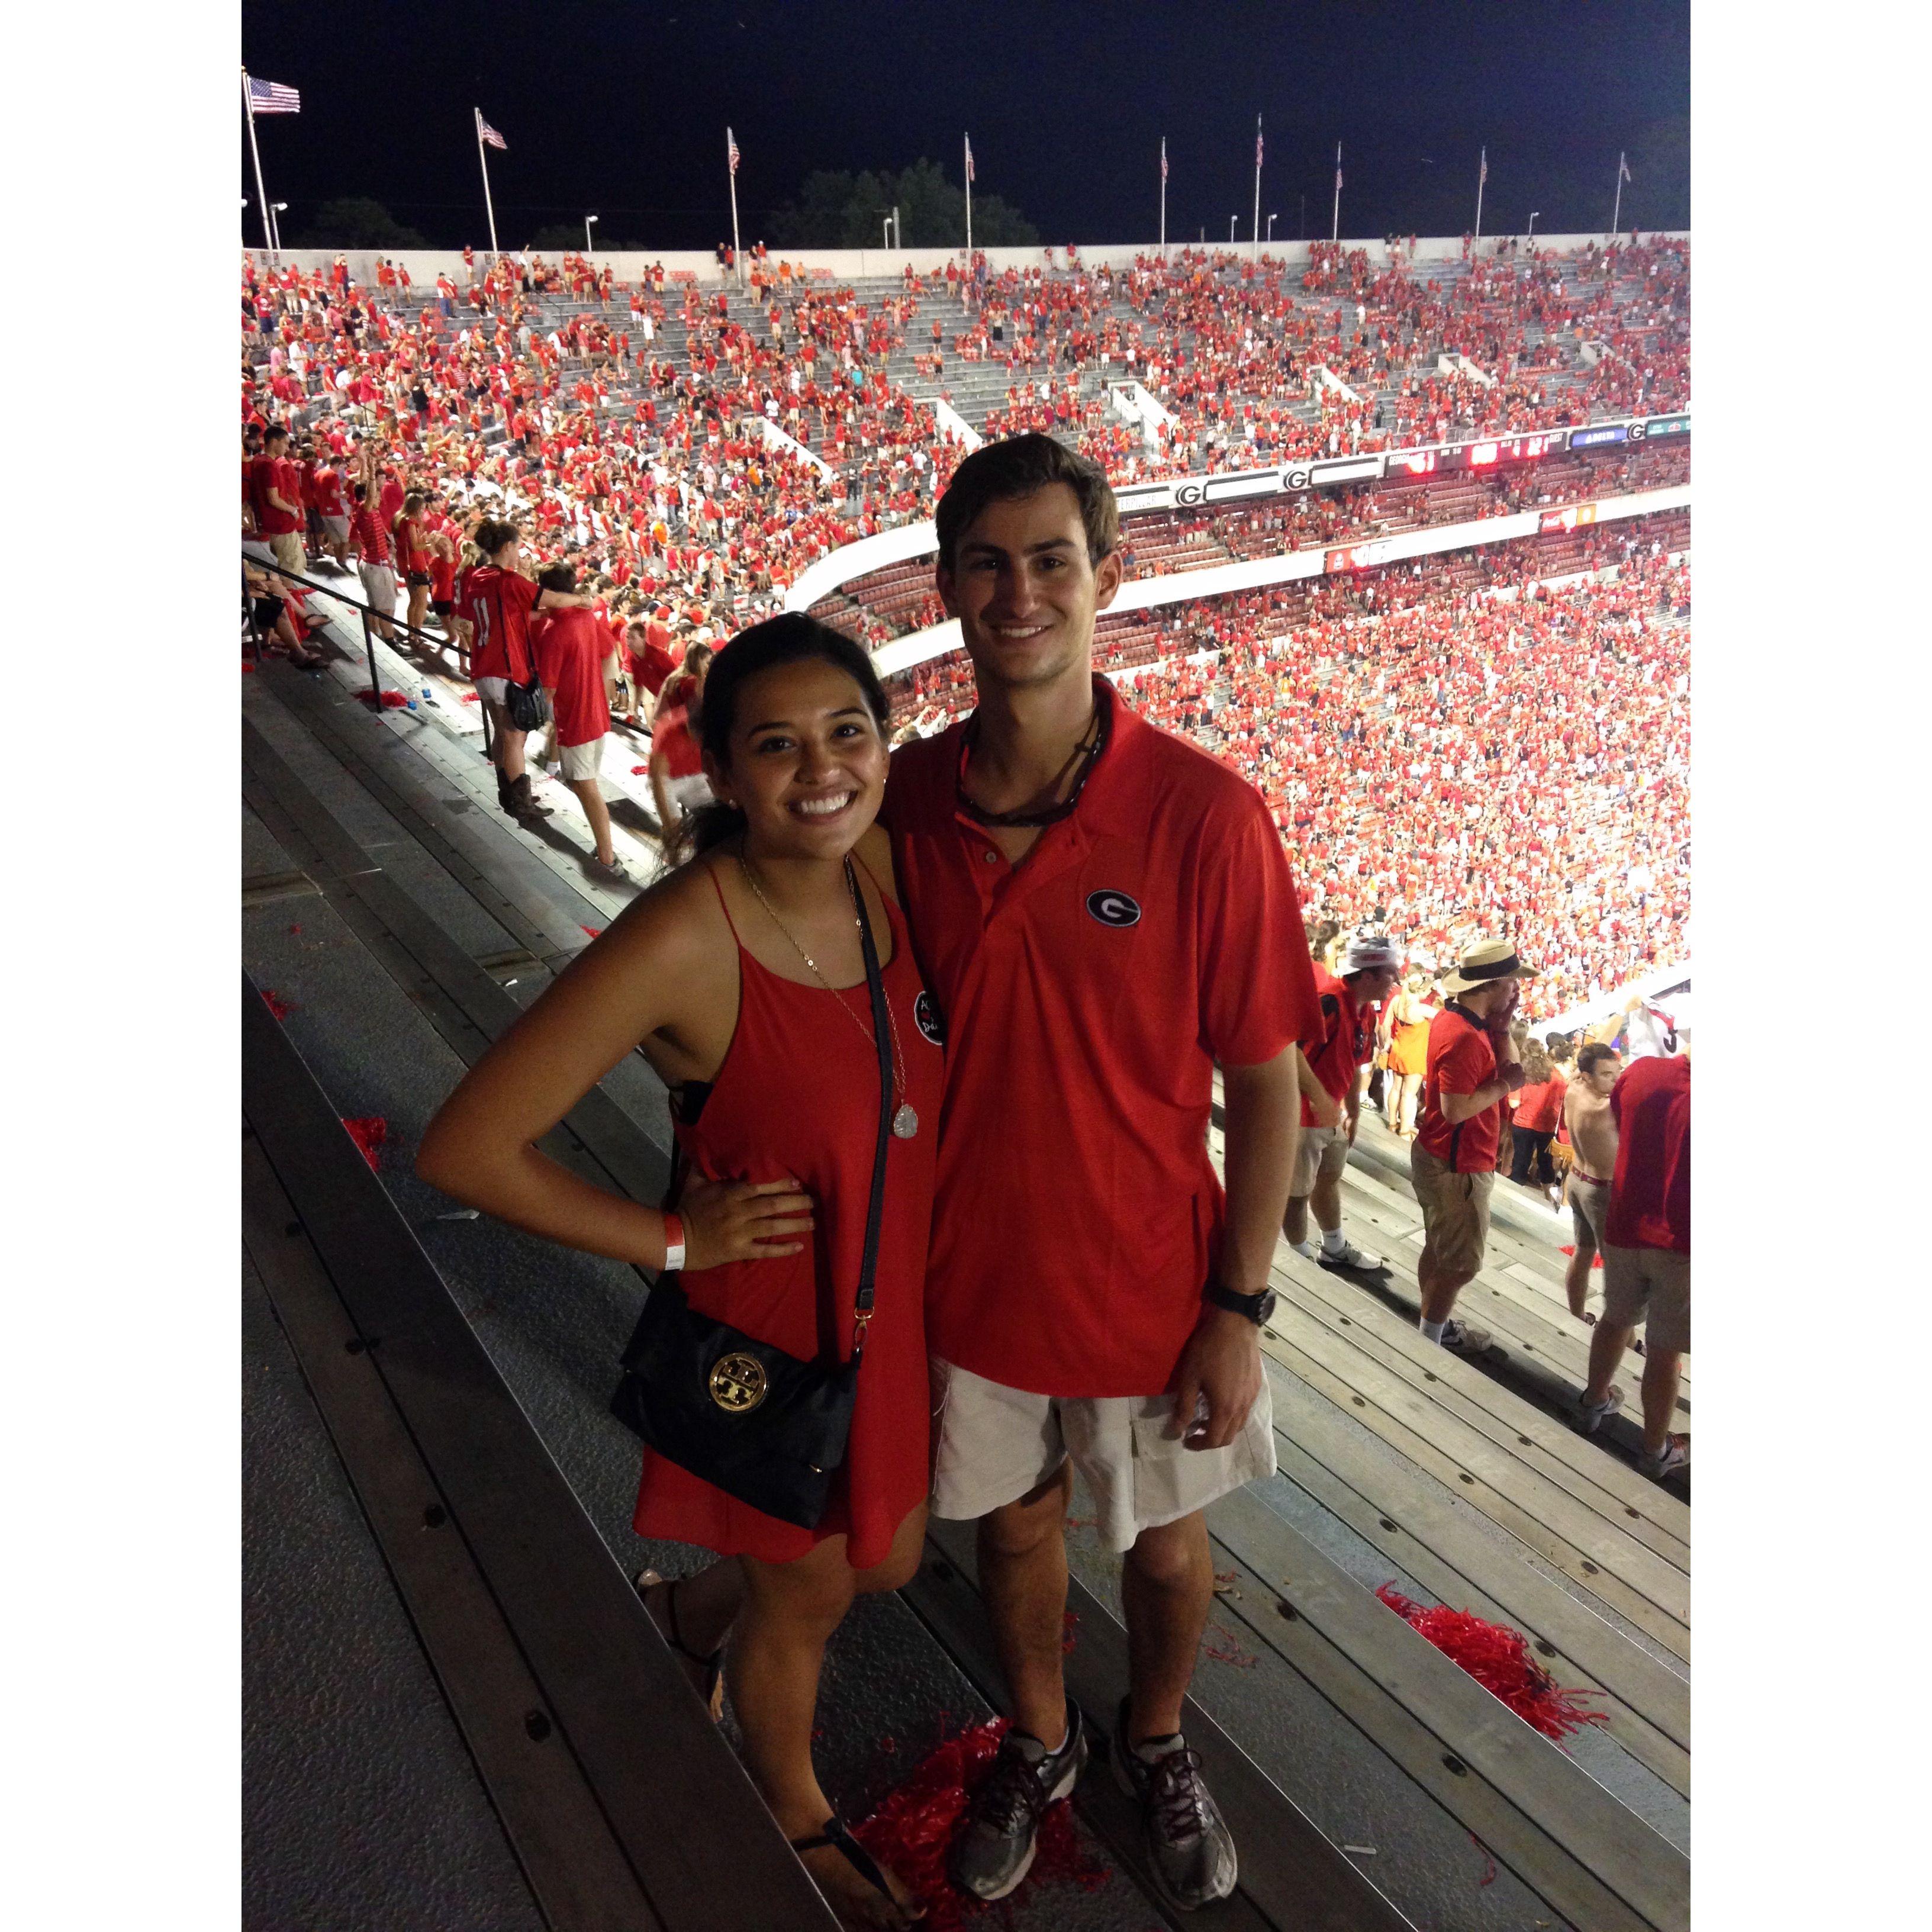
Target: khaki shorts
{"x":493,"y":691}
{"x":1455,"y":1211}
{"x":289,"y":555}
{"x":1322,"y":1155}
{"x":379,"y":587}
{"x":991,"y":1444}
{"x":576,"y":762}
{"x":1651,"y":1285}
{"x":1589,"y":1202}
{"x":336,"y":529}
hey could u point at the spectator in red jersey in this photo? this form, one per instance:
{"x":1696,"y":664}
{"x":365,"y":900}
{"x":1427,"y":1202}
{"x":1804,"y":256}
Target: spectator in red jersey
{"x":375,"y":566}
{"x":678,"y":782}
{"x":499,"y":601}
{"x":275,"y":490}
{"x":1647,"y":1251}
{"x":1539,"y":1106}
{"x":648,"y":640}
{"x":576,"y":656}
{"x":1472,"y":1069}
{"x":409,"y":536}
{"x":332,"y":503}
{"x":1336,"y":1056}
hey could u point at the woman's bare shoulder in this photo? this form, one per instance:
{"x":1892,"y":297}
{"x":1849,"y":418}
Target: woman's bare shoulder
{"x":875,"y":849}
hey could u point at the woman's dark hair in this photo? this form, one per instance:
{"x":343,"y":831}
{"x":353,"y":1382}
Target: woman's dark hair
{"x":792,"y":638}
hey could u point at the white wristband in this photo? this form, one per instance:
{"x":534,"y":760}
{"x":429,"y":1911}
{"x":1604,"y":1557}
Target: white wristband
{"x":673,"y":1261}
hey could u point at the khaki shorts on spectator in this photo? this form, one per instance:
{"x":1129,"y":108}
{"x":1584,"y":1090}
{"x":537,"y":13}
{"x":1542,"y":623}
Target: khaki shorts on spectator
{"x":1455,"y":1211}
{"x":1589,"y":1202}
{"x":336,"y":529}
{"x":1322,"y":1155}
{"x":289,"y":555}
{"x":379,"y":587}
{"x":493,"y":691}
{"x":1651,"y":1285}
{"x":992,"y":1444}
{"x":576,"y":762}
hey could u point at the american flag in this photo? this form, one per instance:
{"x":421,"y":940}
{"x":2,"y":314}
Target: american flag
{"x":1163,"y":157}
{"x":1257,"y":144}
{"x":1483,"y":172}
{"x":1623,"y":168}
{"x":730,"y":151}
{"x":969,"y":157}
{"x":270,"y":97}
{"x":489,"y":133}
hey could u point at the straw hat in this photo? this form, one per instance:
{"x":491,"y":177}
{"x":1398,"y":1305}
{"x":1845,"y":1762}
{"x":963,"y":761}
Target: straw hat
{"x":1482,"y":964}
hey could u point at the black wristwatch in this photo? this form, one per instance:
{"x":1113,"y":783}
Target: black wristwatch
{"x":1257,"y":1308}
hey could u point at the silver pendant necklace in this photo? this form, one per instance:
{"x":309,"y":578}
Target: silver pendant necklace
{"x":905,"y":1119}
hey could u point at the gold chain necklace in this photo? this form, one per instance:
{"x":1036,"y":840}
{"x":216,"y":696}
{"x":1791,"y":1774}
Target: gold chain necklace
{"x":905,"y":1120}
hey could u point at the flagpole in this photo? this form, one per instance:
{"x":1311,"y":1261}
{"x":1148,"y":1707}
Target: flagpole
{"x":1163,"y":197}
{"x":1255,"y":252}
{"x":737,"y":253}
{"x":270,"y":240}
{"x":489,"y":207}
{"x":1615,"y":212}
{"x":1482,"y":175}
{"x":1335,"y":229}
{"x":968,"y":140}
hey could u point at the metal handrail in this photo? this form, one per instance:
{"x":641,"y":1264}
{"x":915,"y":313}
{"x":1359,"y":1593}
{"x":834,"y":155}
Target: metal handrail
{"x":368,"y":610}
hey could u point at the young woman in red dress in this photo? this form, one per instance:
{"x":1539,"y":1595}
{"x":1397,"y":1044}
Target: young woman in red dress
{"x":741,"y":976}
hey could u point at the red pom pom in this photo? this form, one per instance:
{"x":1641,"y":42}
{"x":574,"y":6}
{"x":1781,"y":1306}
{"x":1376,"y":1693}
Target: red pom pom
{"x":369,"y":1133}
{"x":470,"y":697}
{"x":636,"y":770}
{"x":910,"y":1832}
{"x":392,"y":700}
{"x":246,"y":665}
{"x":275,"y":1004}
{"x":1499,"y":1659}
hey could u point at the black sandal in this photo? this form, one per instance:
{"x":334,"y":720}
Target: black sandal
{"x":832,"y":1832}
{"x":712,"y":1689}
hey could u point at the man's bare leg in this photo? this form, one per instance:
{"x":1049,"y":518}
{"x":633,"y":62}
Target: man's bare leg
{"x":1022,"y":1549}
{"x":1326,"y":1200}
{"x":1608,"y":1341}
{"x":1576,"y":1276}
{"x":1662,"y":1368}
{"x":1439,"y":1290}
{"x":590,"y":796}
{"x":1167,"y":1587}
{"x":1295,"y":1223}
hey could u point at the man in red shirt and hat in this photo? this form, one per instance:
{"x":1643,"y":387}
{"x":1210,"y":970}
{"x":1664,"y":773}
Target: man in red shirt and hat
{"x":1102,"y":913}
{"x":1472,"y":1068}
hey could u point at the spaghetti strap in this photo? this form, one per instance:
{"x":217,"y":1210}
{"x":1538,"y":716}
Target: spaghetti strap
{"x":711,"y":872}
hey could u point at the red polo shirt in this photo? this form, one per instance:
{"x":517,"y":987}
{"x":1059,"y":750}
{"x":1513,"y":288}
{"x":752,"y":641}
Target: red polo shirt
{"x":1650,"y":1192}
{"x":1086,"y":994}
{"x":1343,"y":1042}
{"x":1461,"y":1059}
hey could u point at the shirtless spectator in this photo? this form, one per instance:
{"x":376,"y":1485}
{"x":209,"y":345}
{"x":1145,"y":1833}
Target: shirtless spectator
{"x":1593,"y":1159}
{"x":678,"y":782}
{"x":576,"y":657}
{"x":1647,"y":1251}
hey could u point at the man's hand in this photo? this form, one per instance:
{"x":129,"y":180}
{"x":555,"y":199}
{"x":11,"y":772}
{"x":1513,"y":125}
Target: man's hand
{"x":1355,"y":1121}
{"x":1321,"y":1104}
{"x":1223,"y":1361}
{"x":1511,"y":1074}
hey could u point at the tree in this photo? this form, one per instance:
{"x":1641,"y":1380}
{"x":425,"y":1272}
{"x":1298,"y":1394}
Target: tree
{"x":838,"y":210}
{"x":354,"y":221}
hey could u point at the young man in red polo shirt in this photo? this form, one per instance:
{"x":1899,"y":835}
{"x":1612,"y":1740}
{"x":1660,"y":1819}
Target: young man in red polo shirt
{"x":1647,"y":1250}
{"x":1102,"y":912}
{"x":1473,"y":1067}
{"x":275,"y":494}
{"x":1335,"y":1053}
{"x":575,"y":654}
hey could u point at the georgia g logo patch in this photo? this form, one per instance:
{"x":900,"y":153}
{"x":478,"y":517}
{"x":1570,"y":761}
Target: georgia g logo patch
{"x":925,"y":1017}
{"x":1113,"y":908}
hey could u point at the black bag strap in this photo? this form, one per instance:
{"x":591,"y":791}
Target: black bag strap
{"x":875,"y":985}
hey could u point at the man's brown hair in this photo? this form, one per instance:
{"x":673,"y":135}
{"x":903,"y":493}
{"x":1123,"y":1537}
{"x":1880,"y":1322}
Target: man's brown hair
{"x":997,"y":472}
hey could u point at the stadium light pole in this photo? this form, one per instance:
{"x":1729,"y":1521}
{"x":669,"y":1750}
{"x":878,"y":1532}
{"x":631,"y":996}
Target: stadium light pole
{"x":1533,"y":213}
{"x":1272,"y":219}
{"x":1482,"y":178}
{"x":278,"y":209}
{"x":1231,"y":220}
{"x":588,"y":220}
{"x":885,"y":231}
{"x":1335,"y":229}
{"x":1255,"y":232}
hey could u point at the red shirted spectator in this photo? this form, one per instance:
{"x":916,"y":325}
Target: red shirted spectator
{"x":574,"y":656}
{"x":678,"y":783}
{"x":276,"y":499}
{"x":332,"y":503}
{"x":374,"y":566}
{"x":1647,"y":1250}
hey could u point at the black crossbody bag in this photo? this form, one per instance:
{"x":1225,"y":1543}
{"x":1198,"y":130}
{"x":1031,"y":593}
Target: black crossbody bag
{"x":745,"y":1416}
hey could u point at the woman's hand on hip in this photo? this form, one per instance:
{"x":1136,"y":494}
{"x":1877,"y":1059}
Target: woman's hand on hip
{"x":742,"y":1221}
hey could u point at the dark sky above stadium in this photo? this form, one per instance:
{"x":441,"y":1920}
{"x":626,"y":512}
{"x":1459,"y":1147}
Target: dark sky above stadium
{"x":620,"y":110}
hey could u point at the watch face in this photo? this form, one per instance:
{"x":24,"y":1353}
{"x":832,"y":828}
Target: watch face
{"x":1265,"y":1308}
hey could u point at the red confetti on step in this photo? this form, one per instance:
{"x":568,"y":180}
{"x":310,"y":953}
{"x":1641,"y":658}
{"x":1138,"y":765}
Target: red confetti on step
{"x":246,"y":665}
{"x":910,"y":1831}
{"x":1499,"y":1659}
{"x":1488,"y":1876}
{"x":392,"y":700}
{"x":1223,"y":1649}
{"x":1596,"y":1261}
{"x":595,"y":931}
{"x":275,"y":1004}
{"x":470,"y":697}
{"x":369,"y":1133}
{"x":638,"y":770}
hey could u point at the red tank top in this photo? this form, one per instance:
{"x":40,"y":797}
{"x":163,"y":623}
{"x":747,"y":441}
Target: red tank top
{"x":799,"y":1094}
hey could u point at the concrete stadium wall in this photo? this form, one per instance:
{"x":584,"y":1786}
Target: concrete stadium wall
{"x":844,"y":264}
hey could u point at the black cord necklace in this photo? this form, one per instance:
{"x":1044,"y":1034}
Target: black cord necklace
{"x":1086,"y":753}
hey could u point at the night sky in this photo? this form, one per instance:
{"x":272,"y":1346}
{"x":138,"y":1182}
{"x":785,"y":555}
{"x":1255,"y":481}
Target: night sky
{"x":620,"y":110}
